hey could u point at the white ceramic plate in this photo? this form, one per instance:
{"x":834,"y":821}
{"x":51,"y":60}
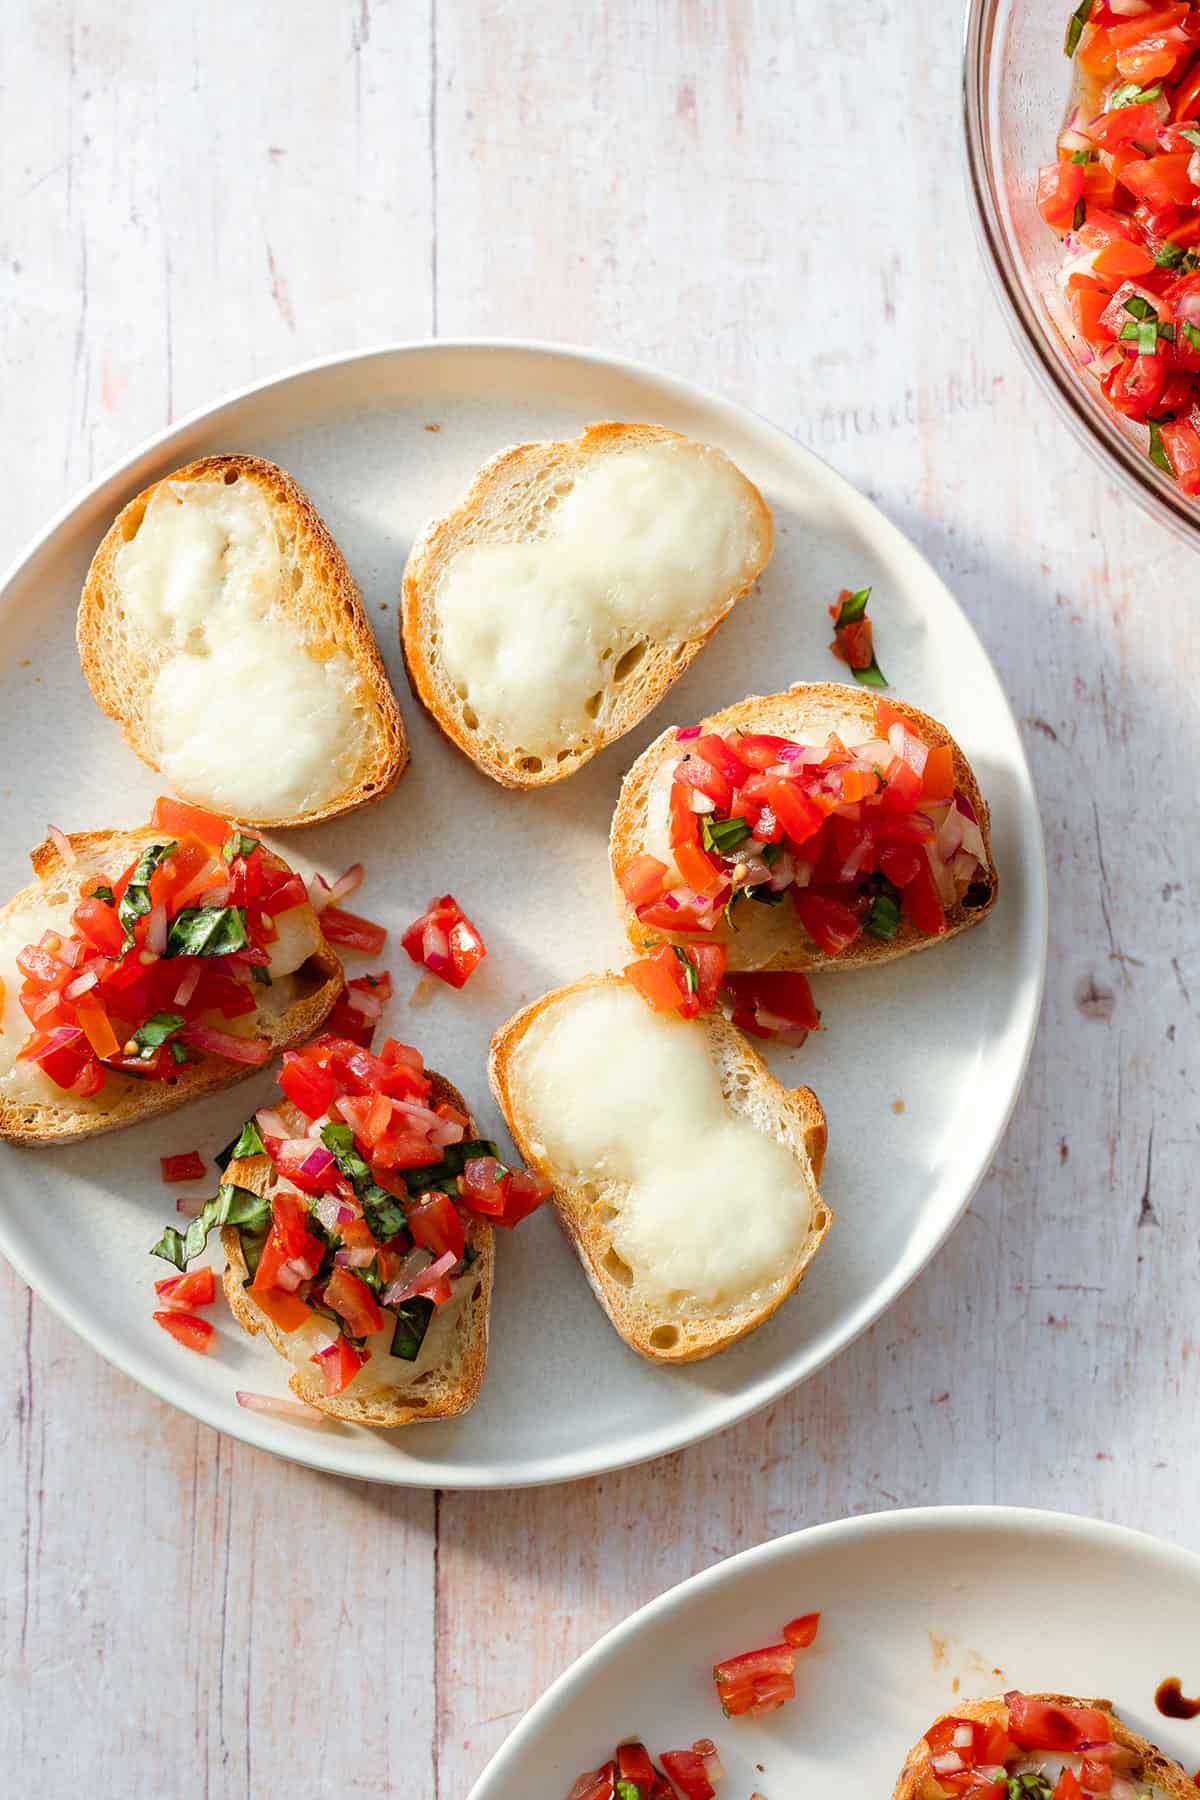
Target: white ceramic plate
{"x":382,"y":441}
{"x":919,"y":1610}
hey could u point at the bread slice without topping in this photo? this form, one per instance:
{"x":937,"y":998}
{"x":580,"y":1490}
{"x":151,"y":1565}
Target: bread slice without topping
{"x":222,"y":629}
{"x":446,"y":1376}
{"x":1148,"y":1769}
{"x":771,"y":937}
{"x":33,"y":1110}
{"x":556,"y":605}
{"x":684,"y":1174}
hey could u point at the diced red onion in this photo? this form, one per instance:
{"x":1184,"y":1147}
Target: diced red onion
{"x":60,"y":1037}
{"x":687,"y":733}
{"x":316,"y":1162}
{"x":287,"y":1279}
{"x":271,"y":1124}
{"x":1129,"y":9}
{"x":332,"y":1211}
{"x":907,"y":745}
{"x":758,"y":873}
{"x":62,"y":844}
{"x":403,"y":1289}
{"x":190,"y":1205}
{"x":317,"y":1126}
{"x":854,"y":862}
{"x":949,"y":1763}
{"x":783,"y":872}
{"x":701,"y":803}
{"x":950,"y":834}
{"x":360,"y":1257}
{"x":280,"y":1408}
{"x":323,"y":893}
{"x":942,"y":877}
{"x":189,"y":984}
{"x":72,"y":953}
{"x":1194,"y":168}
{"x":364,"y":1002}
{"x":156,"y":928}
{"x":435,"y":950}
{"x":81,"y":985}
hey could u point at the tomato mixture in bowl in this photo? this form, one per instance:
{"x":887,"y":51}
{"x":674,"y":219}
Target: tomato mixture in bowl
{"x":1124,"y":196}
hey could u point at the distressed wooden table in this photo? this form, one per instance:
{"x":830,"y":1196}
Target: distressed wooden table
{"x":766,"y":197}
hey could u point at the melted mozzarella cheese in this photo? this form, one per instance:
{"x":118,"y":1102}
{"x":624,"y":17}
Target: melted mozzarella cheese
{"x":710,"y":1210}
{"x":649,"y":543}
{"x":245,"y":716}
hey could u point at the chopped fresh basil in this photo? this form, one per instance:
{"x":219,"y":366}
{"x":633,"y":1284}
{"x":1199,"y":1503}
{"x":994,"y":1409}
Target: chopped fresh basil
{"x":872,"y":676}
{"x":1158,"y":450}
{"x":385,"y":1215}
{"x":1191,"y":134}
{"x":179,"y":1053}
{"x":883,"y":920}
{"x":207,"y":931}
{"x":1166,"y":331}
{"x":155,"y":1032}
{"x":135,"y":901}
{"x":690,"y":972}
{"x":249,"y":1142}
{"x":412,"y":1322}
{"x":771,"y":854}
{"x":628,"y":1790}
{"x":259,"y":974}
{"x":1147,"y":337}
{"x":722,"y":836}
{"x":231,"y":1206}
{"x":1078,"y":20}
{"x":1170,"y":256}
{"x":1079,"y":215}
{"x":236,"y":845}
{"x":103,"y":893}
{"x":1191,"y":333}
{"x":1130,"y":94}
{"x":1081,"y":156}
{"x":1139,"y":307}
{"x":766,"y":896}
{"x":1029,"y":1787}
{"x":853,"y":609}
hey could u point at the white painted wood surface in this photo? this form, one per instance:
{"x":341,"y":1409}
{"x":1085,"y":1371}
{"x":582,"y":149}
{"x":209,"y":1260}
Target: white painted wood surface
{"x":766,"y":197}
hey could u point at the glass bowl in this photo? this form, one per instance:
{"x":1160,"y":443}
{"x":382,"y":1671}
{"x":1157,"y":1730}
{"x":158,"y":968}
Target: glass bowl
{"x":1017,"y":84}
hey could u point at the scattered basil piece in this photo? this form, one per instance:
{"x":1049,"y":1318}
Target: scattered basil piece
{"x":722,"y":836}
{"x":690,"y":972}
{"x":853,"y":609}
{"x":1139,"y":307}
{"x":1130,"y":94}
{"x":1191,"y":134}
{"x":236,"y":845}
{"x":259,"y":974}
{"x":771,"y":854}
{"x":1079,"y":215}
{"x":1158,"y":450}
{"x":766,"y":896}
{"x":103,"y":893}
{"x":155,"y":1032}
{"x":412,"y":1322}
{"x":872,"y":676}
{"x":1078,"y":20}
{"x":883,"y":920}
{"x":385,"y":1215}
{"x":249,"y":1142}
{"x":231,"y":1206}
{"x":135,"y":901}
{"x":179,"y":1052}
{"x":207,"y":931}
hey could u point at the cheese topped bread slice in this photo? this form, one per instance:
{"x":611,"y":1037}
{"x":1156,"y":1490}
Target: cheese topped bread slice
{"x":684,"y":1174}
{"x":222,"y":629}
{"x":555,"y":606}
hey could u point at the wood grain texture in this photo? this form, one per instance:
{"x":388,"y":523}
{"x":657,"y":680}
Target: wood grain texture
{"x":678,"y":180}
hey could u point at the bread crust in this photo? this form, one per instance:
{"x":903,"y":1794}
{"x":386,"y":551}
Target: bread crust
{"x":773,"y":938}
{"x":662,"y":665}
{"x":43,"y":1123}
{"x":1152,"y":1764}
{"x":341,"y":619}
{"x":696,"y":1338}
{"x":437,"y":1393}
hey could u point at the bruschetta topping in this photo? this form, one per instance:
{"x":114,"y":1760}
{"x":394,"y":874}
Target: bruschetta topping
{"x":856,"y":838}
{"x":1036,"y":1749}
{"x":445,"y":942}
{"x":166,"y":960}
{"x":366,"y":1225}
{"x":854,"y":637}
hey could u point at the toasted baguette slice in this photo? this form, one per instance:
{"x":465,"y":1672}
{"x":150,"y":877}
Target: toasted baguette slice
{"x":446,"y":1376}
{"x":771,"y":937}
{"x":715,"y":1225}
{"x":1146,"y":1766}
{"x":549,"y":612}
{"x":222,"y":630}
{"x":33,"y":1110}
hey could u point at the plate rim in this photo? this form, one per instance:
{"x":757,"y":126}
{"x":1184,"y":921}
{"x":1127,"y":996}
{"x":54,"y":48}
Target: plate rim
{"x":954,"y":1517}
{"x":428,"y":1473}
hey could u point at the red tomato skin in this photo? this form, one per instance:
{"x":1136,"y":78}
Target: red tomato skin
{"x":643,"y":879}
{"x":307,"y":1085}
{"x":179,"y":1293}
{"x":352,"y":931}
{"x":1040,"y":1725}
{"x":920,"y":904}
{"x":830,"y":923}
{"x":783,"y":992}
{"x":436,"y":1225}
{"x":178,"y":818}
{"x":354,"y":1303}
{"x":193,"y":1333}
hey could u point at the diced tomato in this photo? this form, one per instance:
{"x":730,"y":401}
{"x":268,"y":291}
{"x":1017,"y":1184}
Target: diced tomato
{"x":177,"y":818}
{"x":481,"y":1186}
{"x":193,"y":1333}
{"x":1182,"y":444}
{"x":97,"y":1027}
{"x":695,"y":771}
{"x":887,"y":715}
{"x":634,"y":1766}
{"x":761,"y":750}
{"x":1135,"y":386}
{"x":901,"y":863}
{"x":1041,"y":1725}
{"x":1123,"y":261}
{"x":353,"y":1301}
{"x":661,"y":981}
{"x":436,"y":1225}
{"x":1067,"y":1786}
{"x":352,"y":931}
{"x":683,"y":910}
{"x":339,"y":1364}
{"x":643,"y":879}
{"x":596,"y":1784}
{"x":289,"y":1243}
{"x":1059,"y":191}
{"x":830,"y":923}
{"x":937,"y":780}
{"x":179,"y":1293}
{"x":1186,"y":102}
{"x":526,"y":1190}
{"x":920,"y":903}
{"x":1096,"y":1777}
{"x":799,"y":815}
{"x":445,"y":941}
{"x":1159,"y":180}
{"x":307,"y":1085}
{"x":723,"y":757}
{"x":188,"y":1165}
{"x":708,"y":960}
{"x":783,"y":993}
{"x":903,"y":790}
{"x":1124,"y":125}
{"x":801,"y":1632}
{"x":689,"y":1773}
{"x":97,"y":923}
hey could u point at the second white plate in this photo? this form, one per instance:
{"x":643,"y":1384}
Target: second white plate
{"x":918,"y":1067}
